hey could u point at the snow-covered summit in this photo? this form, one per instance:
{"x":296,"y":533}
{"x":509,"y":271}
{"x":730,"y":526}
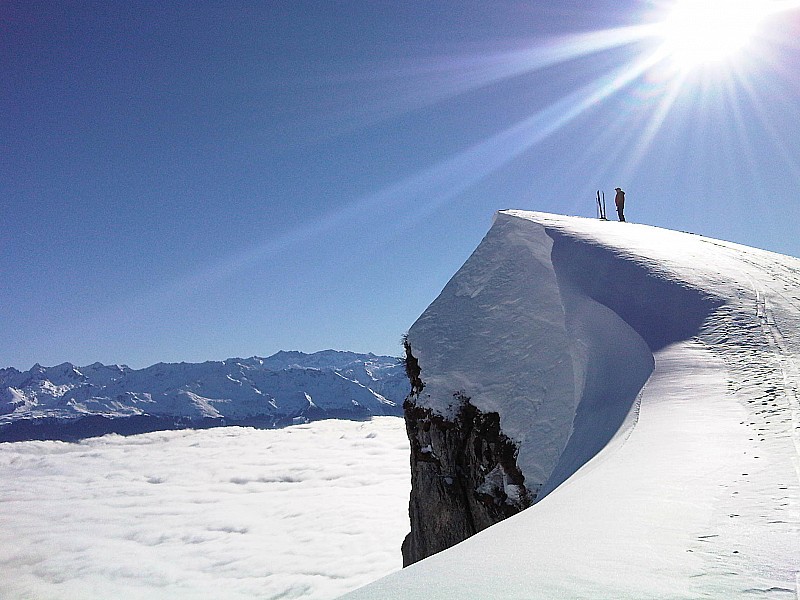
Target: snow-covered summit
{"x":47,"y":401}
{"x":649,"y":379}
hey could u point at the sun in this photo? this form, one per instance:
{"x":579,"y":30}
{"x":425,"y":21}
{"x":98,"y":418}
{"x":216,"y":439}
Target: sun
{"x":702,"y":32}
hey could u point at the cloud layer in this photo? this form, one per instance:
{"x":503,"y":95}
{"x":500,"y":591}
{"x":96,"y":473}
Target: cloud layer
{"x":309,"y":511}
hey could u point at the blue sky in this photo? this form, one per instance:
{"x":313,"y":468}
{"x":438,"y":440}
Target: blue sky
{"x":189,"y":181}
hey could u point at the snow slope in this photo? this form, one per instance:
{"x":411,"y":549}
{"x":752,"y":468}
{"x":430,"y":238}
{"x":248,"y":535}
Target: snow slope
{"x":650,"y":378}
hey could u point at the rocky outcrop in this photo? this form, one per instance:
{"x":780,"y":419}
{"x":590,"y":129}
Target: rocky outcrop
{"x":464,"y":475}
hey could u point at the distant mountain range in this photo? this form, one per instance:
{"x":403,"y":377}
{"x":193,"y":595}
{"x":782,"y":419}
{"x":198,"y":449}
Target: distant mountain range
{"x":67,"y":402}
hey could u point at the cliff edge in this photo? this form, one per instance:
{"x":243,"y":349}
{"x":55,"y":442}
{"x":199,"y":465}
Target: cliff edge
{"x":520,"y":337}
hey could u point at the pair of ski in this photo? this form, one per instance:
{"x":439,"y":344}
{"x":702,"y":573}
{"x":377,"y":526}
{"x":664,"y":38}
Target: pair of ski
{"x":601,"y":206}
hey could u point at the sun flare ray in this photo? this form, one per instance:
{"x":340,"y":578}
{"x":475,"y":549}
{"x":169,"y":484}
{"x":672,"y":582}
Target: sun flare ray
{"x":768,"y":127}
{"x":439,"y":79}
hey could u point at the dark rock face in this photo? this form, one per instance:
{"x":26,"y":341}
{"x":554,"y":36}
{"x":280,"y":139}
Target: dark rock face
{"x":464,"y":476}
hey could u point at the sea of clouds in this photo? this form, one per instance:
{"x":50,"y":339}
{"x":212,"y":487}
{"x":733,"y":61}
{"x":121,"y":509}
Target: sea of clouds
{"x":309,"y":511}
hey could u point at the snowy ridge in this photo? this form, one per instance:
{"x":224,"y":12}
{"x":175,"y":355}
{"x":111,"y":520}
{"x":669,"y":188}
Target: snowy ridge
{"x":483,"y":337}
{"x":650,"y":379}
{"x":286,"y":387}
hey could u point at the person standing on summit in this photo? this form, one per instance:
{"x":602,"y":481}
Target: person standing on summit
{"x":619,"y":201}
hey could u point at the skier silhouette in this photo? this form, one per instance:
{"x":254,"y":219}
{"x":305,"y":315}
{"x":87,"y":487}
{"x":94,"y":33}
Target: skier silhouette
{"x":619,"y":201}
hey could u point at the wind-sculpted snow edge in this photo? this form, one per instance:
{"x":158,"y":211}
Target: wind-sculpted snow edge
{"x":536,"y":328}
{"x":697,"y":499}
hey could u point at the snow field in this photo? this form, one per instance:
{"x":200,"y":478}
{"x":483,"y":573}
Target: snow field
{"x":309,"y":511}
{"x":682,"y":485}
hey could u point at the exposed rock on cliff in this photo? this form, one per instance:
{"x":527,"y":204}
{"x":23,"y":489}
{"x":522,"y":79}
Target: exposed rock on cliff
{"x":464,"y":477}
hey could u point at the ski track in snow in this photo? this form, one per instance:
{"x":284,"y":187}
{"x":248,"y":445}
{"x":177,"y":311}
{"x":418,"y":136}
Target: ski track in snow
{"x":790,"y":374}
{"x":775,"y":411}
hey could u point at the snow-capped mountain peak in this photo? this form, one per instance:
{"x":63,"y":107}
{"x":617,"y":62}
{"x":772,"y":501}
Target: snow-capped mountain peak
{"x":265,"y":391}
